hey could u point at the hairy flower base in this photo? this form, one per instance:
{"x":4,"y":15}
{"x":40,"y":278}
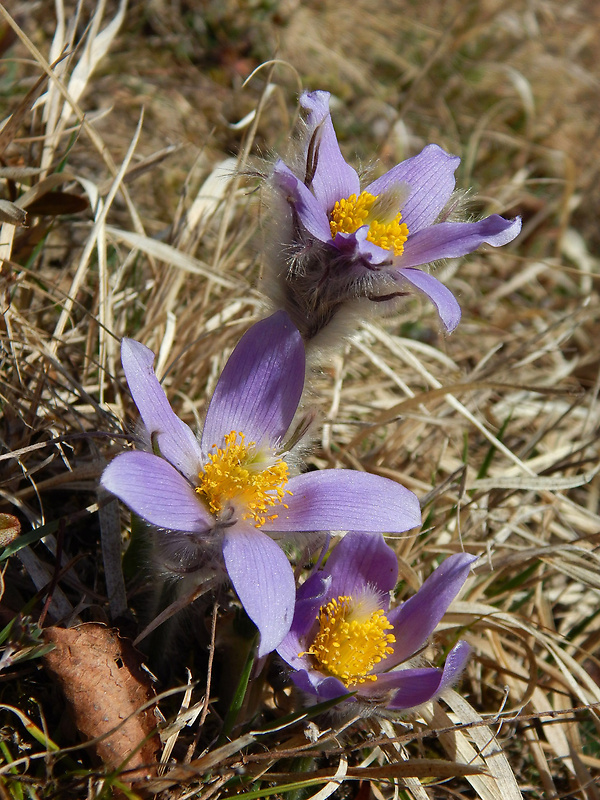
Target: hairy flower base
{"x":351,"y":213}
{"x":351,"y":640}
{"x":233,"y":474}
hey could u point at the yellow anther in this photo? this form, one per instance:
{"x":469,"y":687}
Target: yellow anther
{"x":351,"y":639}
{"x":351,"y":213}
{"x":237,"y":474}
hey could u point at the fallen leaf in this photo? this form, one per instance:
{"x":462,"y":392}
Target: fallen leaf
{"x":55,"y":203}
{"x":101,"y":678}
{"x":10,"y":528}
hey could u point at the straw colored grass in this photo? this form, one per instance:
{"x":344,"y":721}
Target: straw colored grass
{"x":134,"y":129}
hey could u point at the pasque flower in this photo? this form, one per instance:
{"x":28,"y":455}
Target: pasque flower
{"x":338,"y":241}
{"x":232,"y":487}
{"x":344,"y":638}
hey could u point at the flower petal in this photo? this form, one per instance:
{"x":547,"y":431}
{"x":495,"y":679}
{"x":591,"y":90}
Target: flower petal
{"x":175,"y":440}
{"x":430,"y":179}
{"x":416,"y":619}
{"x":357,"y":242}
{"x":157,"y":492}
{"x":346,"y":500}
{"x":333,"y":177}
{"x":312,"y":682}
{"x":293,"y":645}
{"x":417,"y":687}
{"x":454,"y":239}
{"x":442,"y":298}
{"x":414,"y":686}
{"x":309,"y":210}
{"x":360,"y":561}
{"x":310,"y":596}
{"x":259,"y":389}
{"x":264,"y":582}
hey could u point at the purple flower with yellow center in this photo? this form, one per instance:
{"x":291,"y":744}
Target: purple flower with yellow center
{"x":231,"y":489}
{"x":343,"y":241}
{"x":345,"y":638}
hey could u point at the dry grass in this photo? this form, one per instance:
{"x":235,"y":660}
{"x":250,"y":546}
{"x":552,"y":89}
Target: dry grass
{"x":135,"y":114}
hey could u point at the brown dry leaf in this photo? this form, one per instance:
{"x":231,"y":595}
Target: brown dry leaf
{"x":10,"y":528}
{"x":100,"y":676}
{"x":55,"y":203}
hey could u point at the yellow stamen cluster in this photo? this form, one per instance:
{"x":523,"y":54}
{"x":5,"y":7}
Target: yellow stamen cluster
{"x":351,"y":641}
{"x":350,"y":213}
{"x":233,"y":474}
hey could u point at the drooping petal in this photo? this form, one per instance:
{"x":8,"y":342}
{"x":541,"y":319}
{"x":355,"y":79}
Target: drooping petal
{"x":359,"y":561}
{"x":454,"y":239}
{"x":312,"y":215}
{"x":430,"y":178}
{"x":333,"y":177}
{"x":345,"y":500}
{"x":260,"y":387}
{"x":157,"y":492}
{"x":415,"y":620}
{"x":414,"y":686}
{"x":302,"y":681}
{"x":442,"y":298}
{"x":175,"y":440}
{"x":420,"y":688}
{"x":325,"y":688}
{"x":263,"y":579}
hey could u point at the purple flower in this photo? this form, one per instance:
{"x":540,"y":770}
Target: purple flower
{"x":232,"y":489}
{"x":345,"y":639}
{"x":343,"y":241}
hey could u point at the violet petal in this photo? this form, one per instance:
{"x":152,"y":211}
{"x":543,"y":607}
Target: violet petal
{"x":454,"y":239}
{"x":371,"y":253}
{"x":260,"y":387}
{"x":175,"y":440}
{"x":362,"y":561}
{"x":302,"y":681}
{"x":421,"y":688}
{"x":333,"y":177}
{"x":157,"y":492}
{"x":313,"y":682}
{"x":345,"y":500}
{"x":414,"y":686}
{"x":293,"y":645}
{"x":430,"y":178}
{"x":416,"y":619}
{"x":329,"y":688}
{"x":442,"y":298}
{"x":312,"y":215}
{"x":263,"y":579}
{"x":313,"y":593}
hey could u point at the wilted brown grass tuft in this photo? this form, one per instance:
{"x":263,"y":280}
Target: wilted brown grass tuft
{"x":129,"y":143}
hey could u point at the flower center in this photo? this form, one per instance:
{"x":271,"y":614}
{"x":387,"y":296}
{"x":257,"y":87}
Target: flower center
{"x":237,"y":473}
{"x":351,"y":640}
{"x":385,"y":229}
